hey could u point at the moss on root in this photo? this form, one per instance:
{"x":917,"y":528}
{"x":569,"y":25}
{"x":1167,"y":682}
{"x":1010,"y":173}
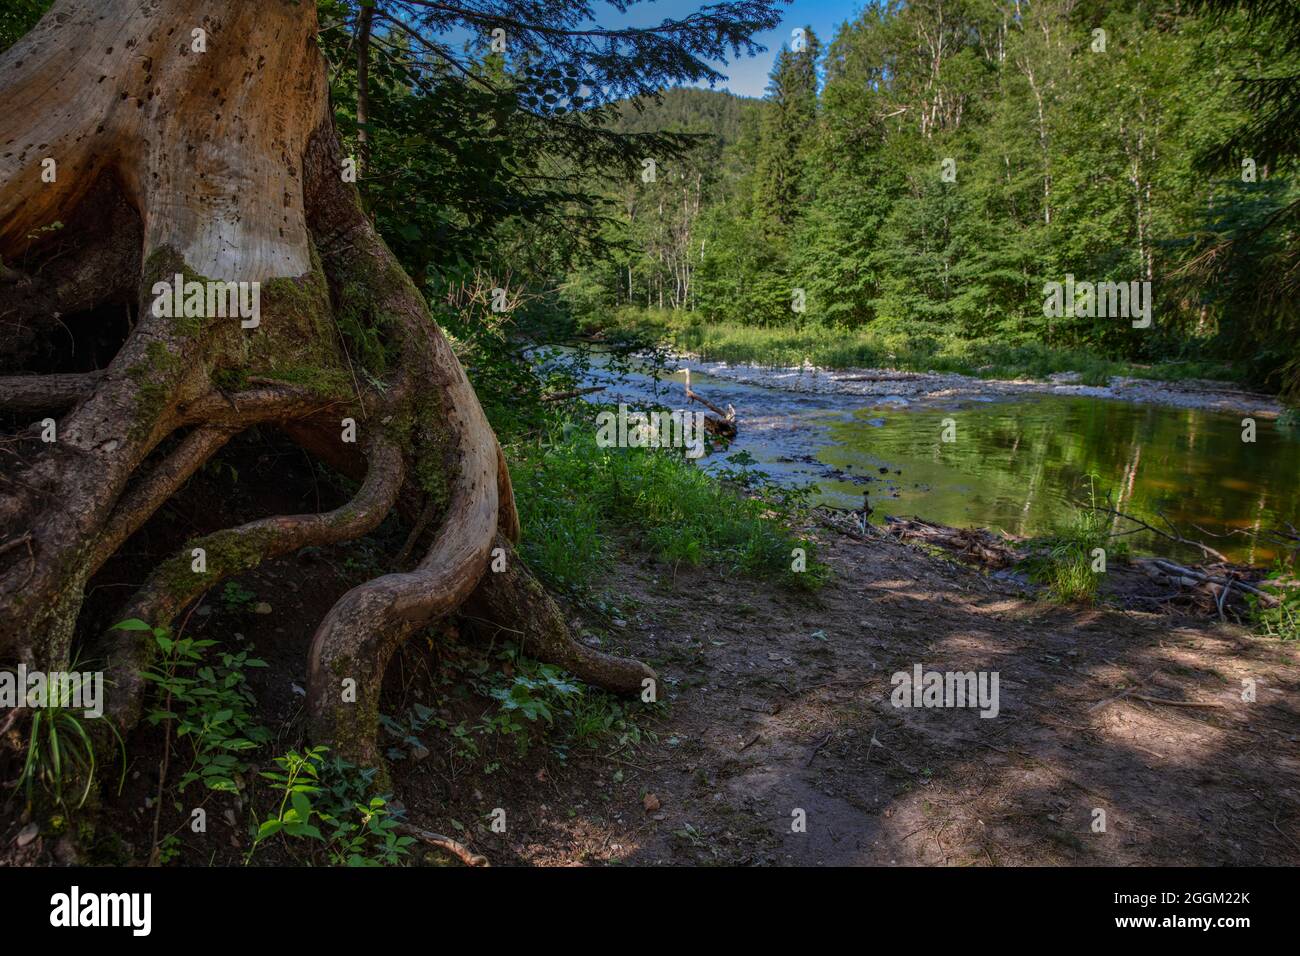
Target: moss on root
{"x":163,"y":265}
{"x":331,"y":383}
{"x":295,"y":329}
{"x":226,"y":553}
{"x":155,"y":378}
{"x":363,"y":313}
{"x":433,"y":446}
{"x":420,"y":426}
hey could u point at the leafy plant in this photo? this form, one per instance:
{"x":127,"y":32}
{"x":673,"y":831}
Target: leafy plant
{"x":60,"y":750}
{"x":208,"y":703}
{"x":168,"y":849}
{"x":236,"y":598}
{"x":531,"y":695}
{"x":1280,"y":621}
{"x":325,"y":801}
{"x":407,"y":731}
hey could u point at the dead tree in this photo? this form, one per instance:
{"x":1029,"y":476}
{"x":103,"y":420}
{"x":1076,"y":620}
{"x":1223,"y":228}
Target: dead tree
{"x":194,"y":138}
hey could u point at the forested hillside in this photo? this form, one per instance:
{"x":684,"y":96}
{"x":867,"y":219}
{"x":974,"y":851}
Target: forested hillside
{"x":920,"y":177}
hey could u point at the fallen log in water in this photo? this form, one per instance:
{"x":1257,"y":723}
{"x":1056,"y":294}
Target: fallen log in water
{"x":725,"y":425}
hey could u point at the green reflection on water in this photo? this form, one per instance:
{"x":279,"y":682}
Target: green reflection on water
{"x":1017,"y":466}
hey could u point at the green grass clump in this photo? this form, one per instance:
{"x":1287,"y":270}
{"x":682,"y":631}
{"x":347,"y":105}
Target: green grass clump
{"x":573,"y":496}
{"x":1282,"y":620}
{"x":1066,"y":561}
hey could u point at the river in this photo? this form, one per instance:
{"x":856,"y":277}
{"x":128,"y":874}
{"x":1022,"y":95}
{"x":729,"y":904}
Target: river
{"x":1017,"y":461}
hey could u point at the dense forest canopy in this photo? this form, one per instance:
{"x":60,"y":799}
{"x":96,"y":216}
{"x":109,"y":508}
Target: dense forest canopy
{"x":932,"y":166}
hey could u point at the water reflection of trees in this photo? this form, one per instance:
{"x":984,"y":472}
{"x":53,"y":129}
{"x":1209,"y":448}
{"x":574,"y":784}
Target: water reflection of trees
{"x":1023,"y":463}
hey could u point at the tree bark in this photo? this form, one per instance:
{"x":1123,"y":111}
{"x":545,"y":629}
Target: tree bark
{"x":203,"y":126}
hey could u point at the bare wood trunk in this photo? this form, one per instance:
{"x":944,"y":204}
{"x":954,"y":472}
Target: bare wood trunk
{"x":205,"y":123}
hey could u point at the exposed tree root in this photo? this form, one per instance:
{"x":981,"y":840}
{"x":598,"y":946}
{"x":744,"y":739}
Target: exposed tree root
{"x":268,"y":206}
{"x":167,"y":478}
{"x":37,"y":394}
{"x":458,"y":850}
{"x":514,"y":600}
{"x":175,"y":583}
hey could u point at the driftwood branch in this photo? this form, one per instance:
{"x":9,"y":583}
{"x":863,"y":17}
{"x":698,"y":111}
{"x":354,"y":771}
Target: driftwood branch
{"x":1191,"y":577}
{"x":725,"y":424}
{"x":1171,"y":535}
{"x":977,"y":544}
{"x":458,"y":850}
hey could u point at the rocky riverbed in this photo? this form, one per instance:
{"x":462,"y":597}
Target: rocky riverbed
{"x":883,"y":385}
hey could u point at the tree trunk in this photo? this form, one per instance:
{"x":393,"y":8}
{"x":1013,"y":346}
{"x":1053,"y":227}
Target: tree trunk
{"x":194,"y":138}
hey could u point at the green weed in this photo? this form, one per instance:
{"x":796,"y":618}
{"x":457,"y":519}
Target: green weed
{"x":1281,"y":621}
{"x":60,"y":755}
{"x":1067,"y":560}
{"x":208,"y":704}
{"x":572,"y":494}
{"x":327,"y":802}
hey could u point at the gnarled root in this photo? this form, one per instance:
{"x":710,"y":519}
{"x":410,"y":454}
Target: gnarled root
{"x":271,"y":209}
{"x":232,"y":551}
{"x":514,"y":601}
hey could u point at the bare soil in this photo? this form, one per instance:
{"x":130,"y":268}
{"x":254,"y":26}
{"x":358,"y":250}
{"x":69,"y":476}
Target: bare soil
{"x":780,"y":703}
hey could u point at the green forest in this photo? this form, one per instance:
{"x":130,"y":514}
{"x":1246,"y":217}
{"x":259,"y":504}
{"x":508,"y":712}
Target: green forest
{"x":920,"y":175}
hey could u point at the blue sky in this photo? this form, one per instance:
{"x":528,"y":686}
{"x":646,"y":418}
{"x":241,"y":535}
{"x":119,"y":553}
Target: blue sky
{"x":747,"y":76}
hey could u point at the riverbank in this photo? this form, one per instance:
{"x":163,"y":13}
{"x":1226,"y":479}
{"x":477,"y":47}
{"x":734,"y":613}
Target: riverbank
{"x":937,"y":388}
{"x":929,"y":366}
{"x":776,"y":700}
{"x":1022,"y":455}
{"x":778,"y":711}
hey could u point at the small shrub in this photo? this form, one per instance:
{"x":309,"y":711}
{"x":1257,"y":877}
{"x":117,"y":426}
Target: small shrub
{"x":208,"y":703}
{"x":327,"y":802}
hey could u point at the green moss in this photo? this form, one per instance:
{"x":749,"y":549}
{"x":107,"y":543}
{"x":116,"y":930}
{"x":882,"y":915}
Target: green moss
{"x":153,"y":377}
{"x":307,"y":296}
{"x":370,"y":330}
{"x":432,"y":441}
{"x":230,"y":379}
{"x":326,"y":382}
{"x":163,"y":265}
{"x":295,"y":328}
{"x":227,"y":552}
{"x":421,"y":427}
{"x":362,"y":327}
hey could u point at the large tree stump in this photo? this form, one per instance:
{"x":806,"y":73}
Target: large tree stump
{"x":194,"y":138}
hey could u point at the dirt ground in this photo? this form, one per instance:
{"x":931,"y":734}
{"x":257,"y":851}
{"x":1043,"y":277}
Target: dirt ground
{"x":780,"y":702}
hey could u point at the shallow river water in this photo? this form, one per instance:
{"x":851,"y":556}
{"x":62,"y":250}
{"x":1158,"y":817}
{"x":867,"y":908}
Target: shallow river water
{"x":1015,"y":462}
